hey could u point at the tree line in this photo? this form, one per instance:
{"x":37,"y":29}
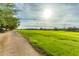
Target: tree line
{"x":74,"y":29}
{"x":67,"y":29}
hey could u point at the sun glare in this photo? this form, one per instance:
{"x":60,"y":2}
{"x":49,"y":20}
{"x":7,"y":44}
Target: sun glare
{"x":47,"y":13}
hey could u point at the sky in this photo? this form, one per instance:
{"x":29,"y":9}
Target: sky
{"x":48,"y":15}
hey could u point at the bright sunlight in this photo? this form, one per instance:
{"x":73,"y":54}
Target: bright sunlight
{"x":47,"y":13}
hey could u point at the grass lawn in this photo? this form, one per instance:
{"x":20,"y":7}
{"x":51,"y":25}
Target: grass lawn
{"x":56,"y":43}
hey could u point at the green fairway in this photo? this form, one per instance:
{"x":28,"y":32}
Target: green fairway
{"x":57,"y":43}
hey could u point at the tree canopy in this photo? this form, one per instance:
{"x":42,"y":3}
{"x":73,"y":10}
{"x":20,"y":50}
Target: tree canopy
{"x":8,"y":21}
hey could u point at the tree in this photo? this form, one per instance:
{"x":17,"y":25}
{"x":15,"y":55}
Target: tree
{"x":7,"y":19}
{"x":55,"y":28}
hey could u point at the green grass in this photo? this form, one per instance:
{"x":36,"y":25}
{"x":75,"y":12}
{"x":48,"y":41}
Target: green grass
{"x":57,"y":43}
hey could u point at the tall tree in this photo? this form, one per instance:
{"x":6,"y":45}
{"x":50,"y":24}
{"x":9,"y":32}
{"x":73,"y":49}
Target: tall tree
{"x":8,"y":20}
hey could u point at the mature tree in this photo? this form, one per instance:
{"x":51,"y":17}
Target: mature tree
{"x":8,"y":21}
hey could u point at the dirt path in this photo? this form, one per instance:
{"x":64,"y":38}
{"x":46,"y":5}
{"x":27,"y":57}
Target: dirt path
{"x":12,"y":44}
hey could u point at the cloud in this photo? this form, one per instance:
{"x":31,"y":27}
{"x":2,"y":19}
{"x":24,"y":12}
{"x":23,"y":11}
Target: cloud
{"x":64,"y":14}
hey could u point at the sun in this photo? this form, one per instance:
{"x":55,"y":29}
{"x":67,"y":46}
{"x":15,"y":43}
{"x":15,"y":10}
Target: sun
{"x":47,"y":13}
